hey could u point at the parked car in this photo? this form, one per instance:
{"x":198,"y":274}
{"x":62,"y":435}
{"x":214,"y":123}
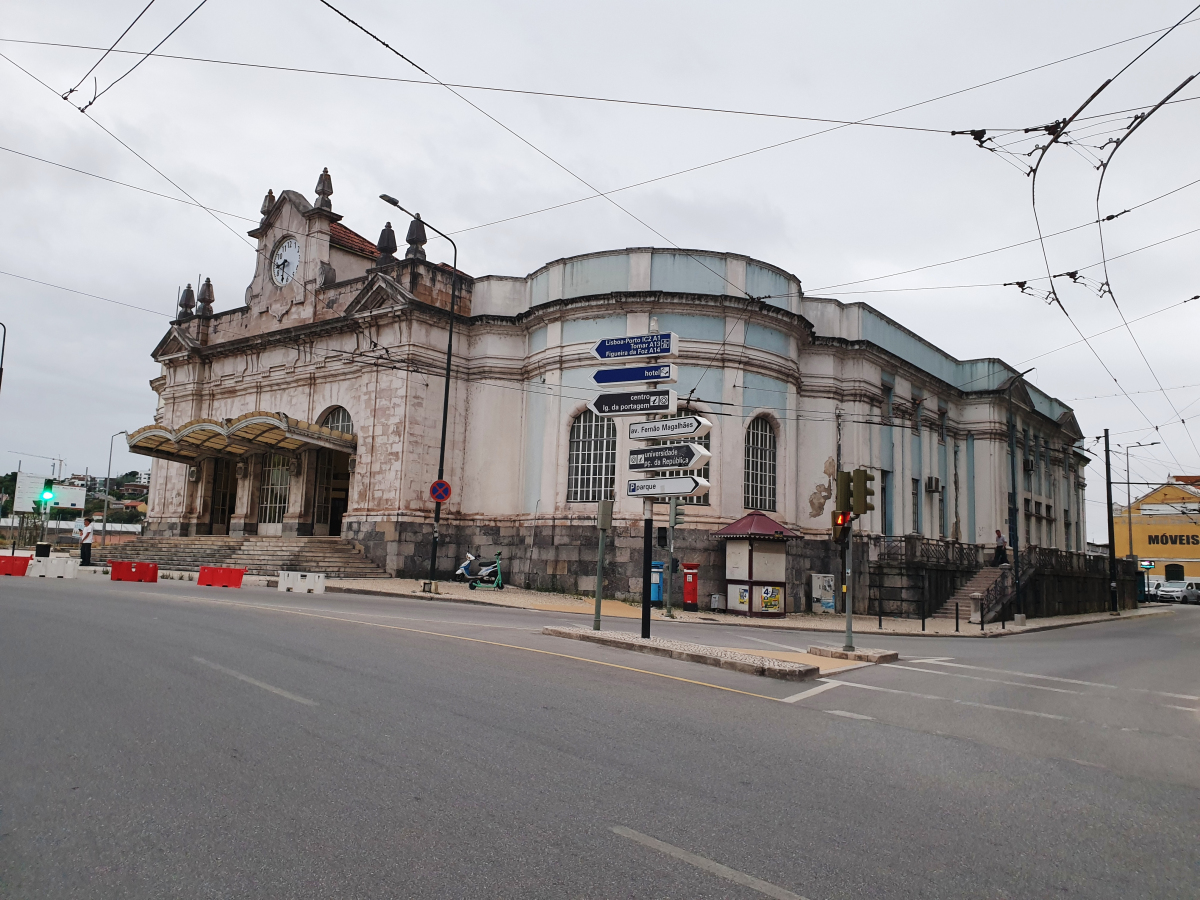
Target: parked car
{"x":1152,"y":588}
{"x":1191,"y":592}
{"x":1172,"y":591}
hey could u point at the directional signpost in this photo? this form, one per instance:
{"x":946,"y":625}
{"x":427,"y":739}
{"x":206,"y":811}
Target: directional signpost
{"x":673,"y":456}
{"x":666,"y":373}
{"x":667,"y":429}
{"x":650,"y":402}
{"x":678,"y":486}
{"x":636,"y":403}
{"x":636,"y":346}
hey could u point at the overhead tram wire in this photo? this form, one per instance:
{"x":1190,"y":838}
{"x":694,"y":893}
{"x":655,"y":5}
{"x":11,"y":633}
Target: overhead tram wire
{"x":124,"y":184}
{"x":1056,"y":131}
{"x":59,"y":287}
{"x":1104,"y":168}
{"x":130,"y":70}
{"x":103,"y":57}
{"x":587,"y":97}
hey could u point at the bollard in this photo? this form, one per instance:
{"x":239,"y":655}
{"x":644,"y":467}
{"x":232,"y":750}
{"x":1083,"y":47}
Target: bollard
{"x":922,"y":616}
{"x":956,"y":618}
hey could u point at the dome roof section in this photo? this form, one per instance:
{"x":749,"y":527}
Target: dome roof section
{"x":643,"y":270}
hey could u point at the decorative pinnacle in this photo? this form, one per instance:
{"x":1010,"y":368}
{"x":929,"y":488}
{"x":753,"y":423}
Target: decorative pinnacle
{"x":324,"y":190}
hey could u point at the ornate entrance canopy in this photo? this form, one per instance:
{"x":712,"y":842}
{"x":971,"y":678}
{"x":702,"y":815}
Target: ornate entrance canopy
{"x":254,"y":432}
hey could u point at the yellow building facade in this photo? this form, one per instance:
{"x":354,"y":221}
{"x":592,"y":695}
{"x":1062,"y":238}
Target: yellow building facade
{"x":1166,"y":529}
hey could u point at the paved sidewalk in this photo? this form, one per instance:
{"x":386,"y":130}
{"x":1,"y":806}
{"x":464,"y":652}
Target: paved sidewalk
{"x":521,"y":598}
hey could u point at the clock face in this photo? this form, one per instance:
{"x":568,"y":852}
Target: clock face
{"x":285,"y":262}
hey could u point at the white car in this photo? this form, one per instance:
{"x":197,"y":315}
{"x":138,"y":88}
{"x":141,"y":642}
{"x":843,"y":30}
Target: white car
{"x":1174,"y":591}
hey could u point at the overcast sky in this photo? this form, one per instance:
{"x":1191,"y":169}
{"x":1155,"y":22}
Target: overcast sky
{"x":855,"y":203}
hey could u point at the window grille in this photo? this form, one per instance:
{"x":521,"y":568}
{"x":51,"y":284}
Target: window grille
{"x":759,"y":476}
{"x":916,"y":505}
{"x":273,"y":490}
{"x":324,"y":483}
{"x":339,"y":420}
{"x":592,"y":459}
{"x":704,"y":471}
{"x":942,"y":513}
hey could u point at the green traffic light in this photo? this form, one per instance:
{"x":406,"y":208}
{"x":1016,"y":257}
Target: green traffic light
{"x":47,"y":495}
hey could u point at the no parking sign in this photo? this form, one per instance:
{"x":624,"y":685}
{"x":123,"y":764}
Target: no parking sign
{"x":439,"y":491}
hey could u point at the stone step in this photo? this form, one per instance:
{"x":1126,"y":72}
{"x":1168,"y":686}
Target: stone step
{"x":259,"y":555}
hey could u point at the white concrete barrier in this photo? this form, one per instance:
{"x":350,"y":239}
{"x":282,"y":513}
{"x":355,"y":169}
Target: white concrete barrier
{"x":302,"y":582}
{"x":52,"y":567}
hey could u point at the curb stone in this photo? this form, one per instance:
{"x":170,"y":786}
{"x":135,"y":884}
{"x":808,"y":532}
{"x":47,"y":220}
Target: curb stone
{"x":867,"y":656}
{"x":688,"y":652}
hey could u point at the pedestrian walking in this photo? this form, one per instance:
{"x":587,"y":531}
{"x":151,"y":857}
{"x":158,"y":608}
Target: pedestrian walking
{"x":85,"y":544}
{"x":1001,"y":550}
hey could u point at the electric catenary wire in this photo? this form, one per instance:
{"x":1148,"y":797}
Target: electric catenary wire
{"x":108,"y":51}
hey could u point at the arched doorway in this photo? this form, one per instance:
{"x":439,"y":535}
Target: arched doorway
{"x":333,"y":478}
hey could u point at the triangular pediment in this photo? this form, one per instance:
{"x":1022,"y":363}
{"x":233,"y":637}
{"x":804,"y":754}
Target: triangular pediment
{"x":1070,"y":424}
{"x":294,"y":198}
{"x":173,"y":342}
{"x":380,"y":291}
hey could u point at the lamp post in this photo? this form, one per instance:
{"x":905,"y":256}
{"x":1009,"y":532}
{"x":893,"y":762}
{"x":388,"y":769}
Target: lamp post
{"x":107,"y":488}
{"x":3,"y":342}
{"x":1014,"y":532}
{"x":437,"y":509}
{"x":1129,"y":492}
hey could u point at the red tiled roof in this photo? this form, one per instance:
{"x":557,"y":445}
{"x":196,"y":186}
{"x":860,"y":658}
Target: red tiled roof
{"x":1186,"y":479}
{"x":756,"y":525}
{"x":341,"y":236}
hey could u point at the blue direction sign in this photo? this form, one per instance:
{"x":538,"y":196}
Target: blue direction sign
{"x":635,"y":403}
{"x":637,"y":346}
{"x":667,"y":373}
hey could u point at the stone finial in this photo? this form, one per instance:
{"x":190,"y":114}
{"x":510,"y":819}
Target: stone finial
{"x":206,"y":298}
{"x":386,"y":246}
{"x":324,"y":190}
{"x":416,"y":239}
{"x":187,"y":302}
{"x":268,"y":203}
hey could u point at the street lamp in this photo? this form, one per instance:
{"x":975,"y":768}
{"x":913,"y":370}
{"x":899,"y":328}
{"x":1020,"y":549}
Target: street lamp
{"x":3,"y":342}
{"x":437,"y":509}
{"x":107,"y":488}
{"x":1129,"y":491}
{"x":1014,"y":533}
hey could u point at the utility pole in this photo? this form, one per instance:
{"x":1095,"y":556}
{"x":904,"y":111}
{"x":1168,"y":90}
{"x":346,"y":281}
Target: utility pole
{"x":1129,"y":492}
{"x":1112,"y":538}
{"x":603,"y":522}
{"x":847,"y":599}
{"x":1014,"y":531}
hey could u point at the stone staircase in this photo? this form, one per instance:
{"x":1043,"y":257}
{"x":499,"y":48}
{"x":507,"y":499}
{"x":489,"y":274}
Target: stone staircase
{"x":256,"y":554}
{"x":980,"y":582}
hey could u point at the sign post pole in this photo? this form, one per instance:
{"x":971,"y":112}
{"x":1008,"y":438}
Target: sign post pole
{"x":847,"y":597}
{"x":668,"y":581}
{"x":647,"y":552}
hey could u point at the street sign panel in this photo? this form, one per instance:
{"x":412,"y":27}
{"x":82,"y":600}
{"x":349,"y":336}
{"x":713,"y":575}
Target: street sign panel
{"x":664,"y":429}
{"x":637,"y":346}
{"x":635,"y":403}
{"x":667,"y":373}
{"x":28,"y":492}
{"x":681,"y":486}
{"x":675,"y":456}
{"x":439,"y":491}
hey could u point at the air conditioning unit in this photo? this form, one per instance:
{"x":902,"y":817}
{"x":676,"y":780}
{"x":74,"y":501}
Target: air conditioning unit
{"x":1028,"y":464}
{"x":933,"y":484}
{"x":193,"y":473}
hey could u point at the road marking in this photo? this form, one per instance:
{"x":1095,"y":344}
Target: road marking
{"x":1024,"y":712}
{"x":1184,"y":708}
{"x":470,"y":640}
{"x":1033,"y":687}
{"x":849,"y":715}
{"x":1111,"y":687}
{"x":254,"y":681}
{"x":707,"y":865}
{"x":811,"y":692}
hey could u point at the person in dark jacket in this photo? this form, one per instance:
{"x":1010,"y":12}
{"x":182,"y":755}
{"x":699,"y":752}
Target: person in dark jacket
{"x":1001,"y":550}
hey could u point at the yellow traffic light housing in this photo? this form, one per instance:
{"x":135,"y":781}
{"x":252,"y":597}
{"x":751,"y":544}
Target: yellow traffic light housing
{"x":860,"y":491}
{"x":843,"y":500}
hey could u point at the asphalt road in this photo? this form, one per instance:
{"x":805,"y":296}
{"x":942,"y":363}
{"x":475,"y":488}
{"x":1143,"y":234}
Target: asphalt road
{"x":173,"y":741}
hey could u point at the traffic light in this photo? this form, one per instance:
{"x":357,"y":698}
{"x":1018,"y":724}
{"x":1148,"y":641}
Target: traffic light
{"x":841,"y":523}
{"x":843,"y":498}
{"x":48,"y":490}
{"x":677,"y":509}
{"x":861,"y":492}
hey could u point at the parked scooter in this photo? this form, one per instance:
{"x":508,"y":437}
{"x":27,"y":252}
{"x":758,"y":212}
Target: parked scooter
{"x":487,"y":577}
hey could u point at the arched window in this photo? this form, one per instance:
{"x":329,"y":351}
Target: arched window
{"x":592,"y":459}
{"x":759,"y":478}
{"x":339,"y":420}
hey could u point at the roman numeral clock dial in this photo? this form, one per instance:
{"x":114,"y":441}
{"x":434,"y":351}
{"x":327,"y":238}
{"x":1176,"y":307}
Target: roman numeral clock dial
{"x":285,"y":262}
